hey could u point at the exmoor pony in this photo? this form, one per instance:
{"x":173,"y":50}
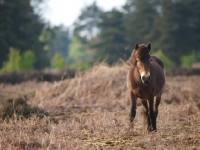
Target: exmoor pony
{"x":145,"y":80}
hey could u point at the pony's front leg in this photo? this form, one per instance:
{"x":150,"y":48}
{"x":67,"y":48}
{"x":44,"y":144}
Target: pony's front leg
{"x":147,"y":120}
{"x":152,"y":114}
{"x":133,"y":99}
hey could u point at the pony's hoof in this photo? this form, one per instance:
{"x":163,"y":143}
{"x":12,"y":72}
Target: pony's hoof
{"x":151,"y":130}
{"x":131,"y":125}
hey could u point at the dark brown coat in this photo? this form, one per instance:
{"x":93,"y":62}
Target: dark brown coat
{"x":145,"y":80}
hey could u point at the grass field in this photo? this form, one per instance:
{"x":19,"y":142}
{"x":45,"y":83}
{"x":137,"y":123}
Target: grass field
{"x":91,"y":110}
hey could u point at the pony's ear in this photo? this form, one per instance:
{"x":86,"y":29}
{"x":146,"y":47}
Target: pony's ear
{"x":136,"y":46}
{"x":149,"y":46}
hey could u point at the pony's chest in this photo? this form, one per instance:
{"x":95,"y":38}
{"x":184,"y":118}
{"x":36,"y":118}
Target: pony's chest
{"x":142,"y":93}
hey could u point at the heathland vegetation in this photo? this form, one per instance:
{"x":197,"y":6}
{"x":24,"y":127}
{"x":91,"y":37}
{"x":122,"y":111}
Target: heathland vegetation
{"x":91,"y":111}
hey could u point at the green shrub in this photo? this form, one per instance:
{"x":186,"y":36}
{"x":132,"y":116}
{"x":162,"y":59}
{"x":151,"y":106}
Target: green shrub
{"x":187,"y":60}
{"x":13,"y":62}
{"x":16,"y":62}
{"x":28,"y":60}
{"x":167,"y":62}
{"x":58,"y":61}
{"x":79,"y":57}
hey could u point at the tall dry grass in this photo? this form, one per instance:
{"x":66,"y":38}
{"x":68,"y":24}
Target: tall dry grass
{"x":90,"y":111}
{"x":103,"y":87}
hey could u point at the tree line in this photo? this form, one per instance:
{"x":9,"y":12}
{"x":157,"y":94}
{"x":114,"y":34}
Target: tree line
{"x":172,"y":27}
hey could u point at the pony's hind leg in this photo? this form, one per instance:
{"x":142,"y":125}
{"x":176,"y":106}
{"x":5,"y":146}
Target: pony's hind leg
{"x":157,"y":100}
{"x":147,"y":121}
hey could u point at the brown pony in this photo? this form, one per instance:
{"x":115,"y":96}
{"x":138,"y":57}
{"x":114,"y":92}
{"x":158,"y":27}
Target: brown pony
{"x":145,"y":80}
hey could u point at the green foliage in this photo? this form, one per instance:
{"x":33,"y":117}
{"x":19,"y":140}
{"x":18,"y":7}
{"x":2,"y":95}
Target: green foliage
{"x":78,"y":56}
{"x":16,"y":62}
{"x":187,"y":60}
{"x":164,"y":58}
{"x":27,"y":60}
{"x":77,"y":50}
{"x":13,"y":62}
{"x":58,"y":61}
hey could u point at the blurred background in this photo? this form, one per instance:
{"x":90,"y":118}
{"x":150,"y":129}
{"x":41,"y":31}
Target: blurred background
{"x":44,"y":34}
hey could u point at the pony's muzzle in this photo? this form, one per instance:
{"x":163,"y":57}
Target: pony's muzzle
{"x":146,"y":78}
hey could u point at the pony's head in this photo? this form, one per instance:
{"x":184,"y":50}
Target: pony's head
{"x":140,"y":59}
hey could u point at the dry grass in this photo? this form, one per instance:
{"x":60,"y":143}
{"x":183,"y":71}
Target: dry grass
{"x":90,"y":111}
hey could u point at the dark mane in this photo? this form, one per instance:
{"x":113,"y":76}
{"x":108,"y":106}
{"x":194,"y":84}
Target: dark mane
{"x":142,"y":52}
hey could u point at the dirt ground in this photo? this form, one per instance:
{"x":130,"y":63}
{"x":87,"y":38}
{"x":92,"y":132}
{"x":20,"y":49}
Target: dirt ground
{"x":91,"y":110}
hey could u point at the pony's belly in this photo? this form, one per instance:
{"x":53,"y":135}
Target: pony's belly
{"x":143,"y":96}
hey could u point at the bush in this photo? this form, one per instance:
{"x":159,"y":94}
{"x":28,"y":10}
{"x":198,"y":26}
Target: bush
{"x":187,"y":60}
{"x":58,"y":61}
{"x":164,"y":58}
{"x":19,"y":108}
{"x":28,"y":60}
{"x":13,"y":62}
{"x":16,"y":62}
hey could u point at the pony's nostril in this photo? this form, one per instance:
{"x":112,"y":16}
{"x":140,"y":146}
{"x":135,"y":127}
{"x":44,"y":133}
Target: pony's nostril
{"x":146,"y":79}
{"x":149,"y":78}
{"x":143,"y":78}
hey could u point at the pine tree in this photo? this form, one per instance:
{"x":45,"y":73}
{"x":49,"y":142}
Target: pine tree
{"x":140,"y":18}
{"x":111,"y":42}
{"x":86,"y":24}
